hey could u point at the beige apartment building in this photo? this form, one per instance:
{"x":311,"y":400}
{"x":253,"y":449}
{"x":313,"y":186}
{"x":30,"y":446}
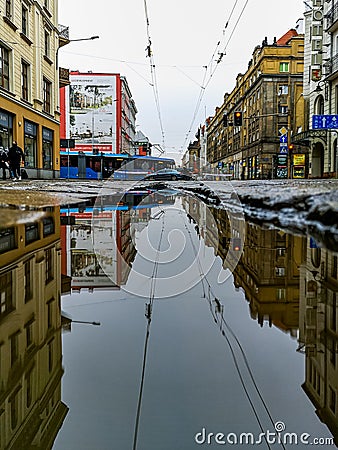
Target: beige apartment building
{"x":29,"y":84}
{"x":31,"y":410}
{"x":269,"y":97}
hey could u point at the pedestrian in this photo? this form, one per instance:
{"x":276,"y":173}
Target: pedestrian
{"x":15,"y":155}
{"x":4,"y":162}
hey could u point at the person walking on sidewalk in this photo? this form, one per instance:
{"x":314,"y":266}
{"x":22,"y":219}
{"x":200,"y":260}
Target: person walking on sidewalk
{"x":4,"y":163}
{"x":15,"y":155}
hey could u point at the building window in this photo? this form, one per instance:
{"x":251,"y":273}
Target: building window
{"x":282,"y":109}
{"x":283,"y":89}
{"x":29,"y":333}
{"x":280,"y":294}
{"x":48,"y":226}
{"x":332,"y":400}
{"x":31,"y":232}
{"x":29,"y":388}
{"x":47,"y":43}
{"x":284,"y":67}
{"x":7,"y":238}
{"x":4,"y":67}
{"x":24,"y":80}
{"x":334,"y":270}
{"x":334,"y":313}
{"x":47,"y":90}
{"x":28,"y":280}
{"x":50,"y":356}
{"x":6,"y":294}
{"x":49,"y":265}
{"x":319,"y":105}
{"x":280,"y":271}
{"x":281,"y":251}
{"x":24,"y":20}
{"x":14,"y":409}
{"x":50,"y":313}
{"x":14,"y":342}
{"x":47,"y":148}
{"x":9,"y":9}
{"x":30,"y":144}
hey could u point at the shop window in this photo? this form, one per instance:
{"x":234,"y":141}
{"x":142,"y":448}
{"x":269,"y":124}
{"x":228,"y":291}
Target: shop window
{"x":47,"y":148}
{"x":30,"y":144}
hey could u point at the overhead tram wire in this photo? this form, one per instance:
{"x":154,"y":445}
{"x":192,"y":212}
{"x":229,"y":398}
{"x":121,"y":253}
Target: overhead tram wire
{"x":148,"y":314}
{"x":153,"y":72}
{"x":245,"y":359}
{"x":221,"y":55}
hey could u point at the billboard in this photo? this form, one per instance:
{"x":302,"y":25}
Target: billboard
{"x":92,"y":111}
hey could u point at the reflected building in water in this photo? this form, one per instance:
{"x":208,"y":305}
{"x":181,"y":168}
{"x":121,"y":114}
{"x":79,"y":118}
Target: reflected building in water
{"x":269,"y":274}
{"x":98,"y":249}
{"x":319,"y":332}
{"x":267,"y":271}
{"x":31,"y":410}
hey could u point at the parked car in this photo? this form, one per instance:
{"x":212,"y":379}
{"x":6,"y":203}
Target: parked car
{"x":167,"y":174}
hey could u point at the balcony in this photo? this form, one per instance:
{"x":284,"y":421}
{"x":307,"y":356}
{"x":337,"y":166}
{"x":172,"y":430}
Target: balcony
{"x":63,"y":77}
{"x":332,"y":19}
{"x":331,"y":68}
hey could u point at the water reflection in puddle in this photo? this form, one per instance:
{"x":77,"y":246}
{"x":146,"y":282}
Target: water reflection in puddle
{"x":178,"y":355}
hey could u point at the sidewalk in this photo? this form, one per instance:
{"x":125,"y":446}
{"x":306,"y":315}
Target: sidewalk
{"x":304,"y":206}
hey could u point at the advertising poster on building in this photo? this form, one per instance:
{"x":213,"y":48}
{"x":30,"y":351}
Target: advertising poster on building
{"x":298,"y":159}
{"x":92,"y":118}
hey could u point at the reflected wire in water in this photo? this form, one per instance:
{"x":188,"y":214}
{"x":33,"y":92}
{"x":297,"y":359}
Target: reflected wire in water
{"x":220,"y":309}
{"x":134,"y":278}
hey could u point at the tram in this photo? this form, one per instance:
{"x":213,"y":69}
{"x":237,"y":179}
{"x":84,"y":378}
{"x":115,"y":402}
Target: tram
{"x":86,"y":165}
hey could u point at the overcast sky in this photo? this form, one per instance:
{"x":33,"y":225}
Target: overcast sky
{"x":184,"y":35}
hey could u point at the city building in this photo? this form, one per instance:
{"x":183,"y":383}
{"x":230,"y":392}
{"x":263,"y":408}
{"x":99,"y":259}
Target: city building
{"x":142,"y":144}
{"x":321,"y":86}
{"x":318,"y":334}
{"x":244,"y":135}
{"x":98,"y":113}
{"x":29,"y":86}
{"x":31,"y":410}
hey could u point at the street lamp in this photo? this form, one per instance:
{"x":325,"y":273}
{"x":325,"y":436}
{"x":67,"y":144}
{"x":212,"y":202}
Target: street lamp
{"x":66,"y":42}
{"x":91,"y":38}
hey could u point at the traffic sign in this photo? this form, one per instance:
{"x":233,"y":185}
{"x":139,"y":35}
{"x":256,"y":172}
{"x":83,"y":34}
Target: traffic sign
{"x":283,"y":139}
{"x":324,"y":121}
{"x":283,"y":130}
{"x":283,"y":150}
